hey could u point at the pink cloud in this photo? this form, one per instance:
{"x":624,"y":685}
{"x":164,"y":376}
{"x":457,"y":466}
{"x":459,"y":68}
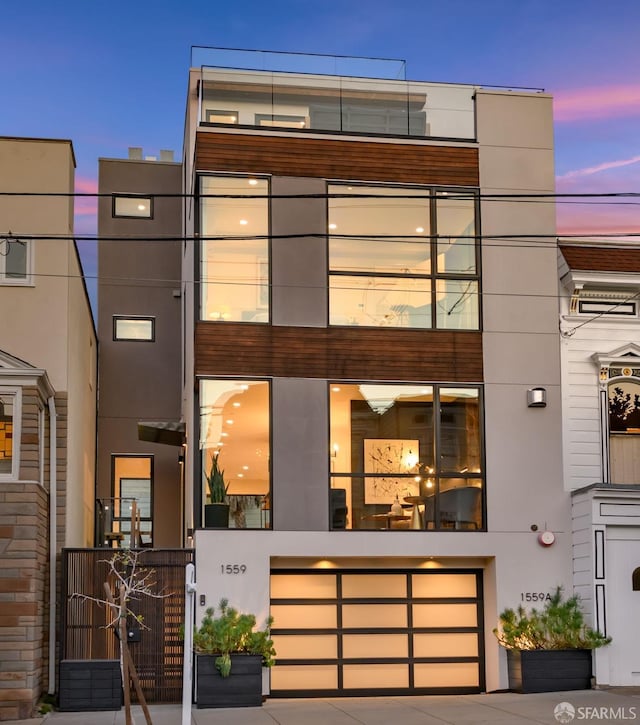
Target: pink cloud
{"x":587,"y":104}
{"x":86,"y":205}
{"x":606,"y":166}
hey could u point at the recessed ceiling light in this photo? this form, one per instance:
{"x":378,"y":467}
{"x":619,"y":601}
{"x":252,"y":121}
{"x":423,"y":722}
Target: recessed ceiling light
{"x":233,"y":118}
{"x":142,"y":207}
{"x":419,"y":230}
{"x":230,"y":421}
{"x":224,"y":435}
{"x":333,"y":226}
{"x":241,"y":475}
{"x":335,"y":389}
{"x":243,"y":222}
{"x":245,"y":468}
{"x":236,"y":404}
{"x":244,"y":386}
{"x":253,"y":182}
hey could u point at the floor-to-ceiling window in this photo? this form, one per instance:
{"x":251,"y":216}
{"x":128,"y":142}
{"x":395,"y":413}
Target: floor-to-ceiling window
{"x":406,"y":457}
{"x":403,"y":257}
{"x":234,"y":263}
{"x":234,"y":431}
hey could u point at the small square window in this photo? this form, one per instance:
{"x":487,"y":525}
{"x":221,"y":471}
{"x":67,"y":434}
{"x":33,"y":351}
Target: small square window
{"x":132,"y":206}
{"x":139,"y":329}
{"x":218,"y":115}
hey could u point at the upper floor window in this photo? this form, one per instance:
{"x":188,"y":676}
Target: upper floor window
{"x":9,"y":434}
{"x":134,"y":328}
{"x":14,"y":261}
{"x":234,"y":262}
{"x":403,"y":257}
{"x":234,"y":430}
{"x":132,"y":206}
{"x":406,"y":456}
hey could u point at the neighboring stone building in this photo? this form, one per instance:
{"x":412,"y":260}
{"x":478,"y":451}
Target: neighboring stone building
{"x":48,"y":355}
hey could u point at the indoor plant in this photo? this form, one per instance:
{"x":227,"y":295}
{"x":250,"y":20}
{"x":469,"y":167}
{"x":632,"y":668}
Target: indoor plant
{"x":216,"y":512}
{"x":230,"y":655}
{"x":550,"y":649}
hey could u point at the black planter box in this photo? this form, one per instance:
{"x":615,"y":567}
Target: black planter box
{"x":216,"y":516}
{"x":89,"y":685}
{"x":549,"y":670}
{"x":243,"y":687}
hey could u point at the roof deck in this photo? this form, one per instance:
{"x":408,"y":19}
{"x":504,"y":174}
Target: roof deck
{"x":328,"y":94}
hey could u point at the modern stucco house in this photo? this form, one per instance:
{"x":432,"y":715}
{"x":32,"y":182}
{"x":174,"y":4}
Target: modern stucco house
{"x":371,"y":351}
{"x":47,"y":409}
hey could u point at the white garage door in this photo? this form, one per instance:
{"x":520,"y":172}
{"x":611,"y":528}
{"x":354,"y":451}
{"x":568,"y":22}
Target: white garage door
{"x":373,"y":632}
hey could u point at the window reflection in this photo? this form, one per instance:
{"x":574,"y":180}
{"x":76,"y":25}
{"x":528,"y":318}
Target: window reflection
{"x":394,"y":457}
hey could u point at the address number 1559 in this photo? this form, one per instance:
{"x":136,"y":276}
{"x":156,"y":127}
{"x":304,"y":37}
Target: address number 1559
{"x":233,"y":568}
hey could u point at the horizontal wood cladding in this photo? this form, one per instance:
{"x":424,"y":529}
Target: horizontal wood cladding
{"x":338,"y":353}
{"x":337,"y":159}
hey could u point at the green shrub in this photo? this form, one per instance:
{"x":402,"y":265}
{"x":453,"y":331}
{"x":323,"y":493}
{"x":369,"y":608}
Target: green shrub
{"x":232,"y":633}
{"x":560,"y":625}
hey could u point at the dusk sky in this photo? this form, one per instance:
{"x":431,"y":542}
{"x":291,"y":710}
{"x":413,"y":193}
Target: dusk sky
{"x":109,"y":75}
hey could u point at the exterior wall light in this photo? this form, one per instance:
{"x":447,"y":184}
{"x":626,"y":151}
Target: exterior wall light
{"x":537,"y":398}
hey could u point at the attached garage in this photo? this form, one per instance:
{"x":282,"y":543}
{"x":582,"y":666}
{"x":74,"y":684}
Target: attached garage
{"x":376,"y":632}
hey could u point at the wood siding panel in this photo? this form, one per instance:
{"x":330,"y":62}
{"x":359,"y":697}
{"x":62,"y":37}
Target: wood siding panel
{"x":337,"y":159}
{"x":338,"y":353}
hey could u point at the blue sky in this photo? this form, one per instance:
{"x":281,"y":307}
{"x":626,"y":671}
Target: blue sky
{"x":109,"y":75}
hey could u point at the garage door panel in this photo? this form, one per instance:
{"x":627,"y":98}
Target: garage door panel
{"x":303,"y":586}
{"x":296,"y":616}
{"x":445,"y":644}
{"x":376,"y":676}
{"x":304,"y":677}
{"x":374,"y":585}
{"x":446,"y":674}
{"x":444,"y":586}
{"x":358,"y":646}
{"x":298,"y":646}
{"x":445,"y":615}
{"x":366,"y":616}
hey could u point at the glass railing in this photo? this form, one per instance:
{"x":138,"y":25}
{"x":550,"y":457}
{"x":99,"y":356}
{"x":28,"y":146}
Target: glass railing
{"x":336,"y":104}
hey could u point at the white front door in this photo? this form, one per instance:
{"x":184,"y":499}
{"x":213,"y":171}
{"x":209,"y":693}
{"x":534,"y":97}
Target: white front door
{"x":623,"y":604}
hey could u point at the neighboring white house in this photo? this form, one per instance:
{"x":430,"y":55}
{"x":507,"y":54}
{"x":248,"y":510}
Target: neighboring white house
{"x":600,"y":344}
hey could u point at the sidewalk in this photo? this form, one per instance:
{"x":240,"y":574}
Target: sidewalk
{"x":616,"y":705}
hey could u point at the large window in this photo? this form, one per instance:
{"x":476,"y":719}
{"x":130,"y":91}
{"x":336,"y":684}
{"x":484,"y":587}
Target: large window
{"x":131,"y":507}
{"x":14,"y":261}
{"x":406,"y":456}
{"x":398,"y":258}
{"x":234,"y":428}
{"x":234,"y":229}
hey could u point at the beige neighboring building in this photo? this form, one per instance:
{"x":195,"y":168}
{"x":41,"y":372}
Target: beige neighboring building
{"x":48,"y":354}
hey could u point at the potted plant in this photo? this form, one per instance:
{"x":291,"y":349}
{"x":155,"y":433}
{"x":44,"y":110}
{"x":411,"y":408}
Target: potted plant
{"x":216,"y":512}
{"x":549,"y":650}
{"x":230,"y":655}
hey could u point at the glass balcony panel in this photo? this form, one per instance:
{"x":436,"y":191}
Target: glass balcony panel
{"x":337,"y":103}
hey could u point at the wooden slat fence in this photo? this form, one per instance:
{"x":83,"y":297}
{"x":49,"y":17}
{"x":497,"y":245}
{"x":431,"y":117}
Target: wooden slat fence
{"x":158,"y":654}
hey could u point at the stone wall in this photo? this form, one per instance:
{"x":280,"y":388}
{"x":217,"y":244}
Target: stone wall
{"x":24,"y":562}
